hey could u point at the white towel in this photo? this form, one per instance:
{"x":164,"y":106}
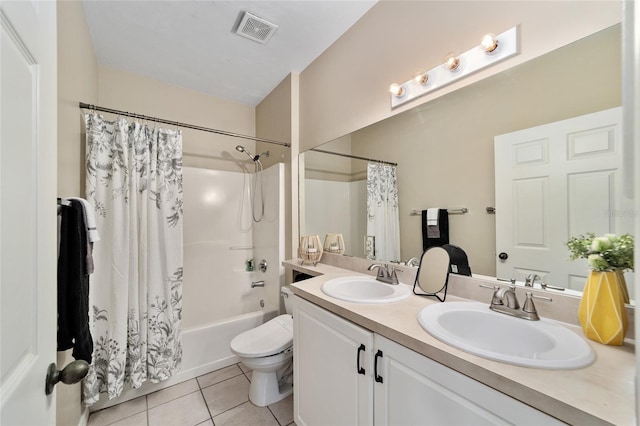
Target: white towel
{"x":90,"y":219}
{"x":432,"y":216}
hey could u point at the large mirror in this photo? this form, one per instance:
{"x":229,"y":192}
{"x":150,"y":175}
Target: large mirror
{"x":445,"y":149}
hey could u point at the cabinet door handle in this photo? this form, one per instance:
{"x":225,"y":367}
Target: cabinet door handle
{"x":360,"y":349}
{"x":375,"y":366}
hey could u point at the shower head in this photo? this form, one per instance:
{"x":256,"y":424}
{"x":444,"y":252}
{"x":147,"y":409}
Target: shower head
{"x":241,"y":148}
{"x":256,"y":157}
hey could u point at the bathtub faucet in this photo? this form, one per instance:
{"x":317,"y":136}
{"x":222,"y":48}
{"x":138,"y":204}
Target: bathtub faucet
{"x":257,"y":284}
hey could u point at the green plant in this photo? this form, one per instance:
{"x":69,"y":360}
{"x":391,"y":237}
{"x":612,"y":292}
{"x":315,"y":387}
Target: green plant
{"x":606,"y":253}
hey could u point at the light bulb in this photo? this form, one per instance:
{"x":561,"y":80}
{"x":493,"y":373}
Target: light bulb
{"x":397,"y":90}
{"x":489,"y":43}
{"x":421,"y":78}
{"x":451,"y":62}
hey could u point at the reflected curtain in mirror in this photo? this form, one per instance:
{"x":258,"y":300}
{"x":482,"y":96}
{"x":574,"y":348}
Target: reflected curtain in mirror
{"x":383,"y":220}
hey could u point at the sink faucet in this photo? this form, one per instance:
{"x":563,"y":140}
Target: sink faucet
{"x":412,"y":261}
{"x":383,"y":273}
{"x":531,"y":279}
{"x":504,"y":300}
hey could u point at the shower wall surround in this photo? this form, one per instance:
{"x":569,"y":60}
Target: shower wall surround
{"x":220,"y":236}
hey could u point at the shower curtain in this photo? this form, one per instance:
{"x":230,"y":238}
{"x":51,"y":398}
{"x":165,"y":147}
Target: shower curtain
{"x":383,"y":220}
{"x":134,"y":182}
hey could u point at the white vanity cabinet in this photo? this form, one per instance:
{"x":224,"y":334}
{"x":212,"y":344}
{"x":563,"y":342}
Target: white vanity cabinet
{"x":398,"y":386}
{"x":327,"y":387}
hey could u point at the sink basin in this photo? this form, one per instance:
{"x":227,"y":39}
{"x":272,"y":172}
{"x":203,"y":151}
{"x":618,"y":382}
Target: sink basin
{"x":474,"y":328}
{"x":362,"y":289}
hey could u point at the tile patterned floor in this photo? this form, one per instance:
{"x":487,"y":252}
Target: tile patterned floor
{"x":220,"y":398}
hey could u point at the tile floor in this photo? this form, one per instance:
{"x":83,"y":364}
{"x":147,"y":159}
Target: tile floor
{"x":220,"y":398}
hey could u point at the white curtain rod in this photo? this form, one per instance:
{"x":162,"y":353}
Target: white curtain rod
{"x":177,"y":123}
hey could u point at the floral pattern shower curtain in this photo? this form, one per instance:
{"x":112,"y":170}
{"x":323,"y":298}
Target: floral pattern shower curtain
{"x":383,"y":220}
{"x":134,"y":182}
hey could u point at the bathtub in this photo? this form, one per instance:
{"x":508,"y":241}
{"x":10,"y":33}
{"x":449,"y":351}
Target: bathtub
{"x":204,"y":349}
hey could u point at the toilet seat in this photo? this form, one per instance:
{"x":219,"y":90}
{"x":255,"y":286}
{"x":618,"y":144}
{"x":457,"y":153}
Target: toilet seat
{"x":270,"y":338}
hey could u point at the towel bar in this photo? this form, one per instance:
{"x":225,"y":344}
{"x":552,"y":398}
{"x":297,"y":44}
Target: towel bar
{"x":462,"y":210}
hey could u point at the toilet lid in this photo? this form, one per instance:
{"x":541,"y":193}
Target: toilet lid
{"x":270,"y":338}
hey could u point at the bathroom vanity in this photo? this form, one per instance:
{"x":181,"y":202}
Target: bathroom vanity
{"x":359,"y":363}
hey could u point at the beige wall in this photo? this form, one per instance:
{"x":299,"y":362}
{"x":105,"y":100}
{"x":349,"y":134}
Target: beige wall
{"x":77,"y":81}
{"x":275,"y":118}
{"x":444,"y":149}
{"x":346,"y":88}
{"x":130,"y":92}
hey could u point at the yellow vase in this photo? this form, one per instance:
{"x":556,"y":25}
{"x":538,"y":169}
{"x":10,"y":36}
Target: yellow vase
{"x":601,"y":312}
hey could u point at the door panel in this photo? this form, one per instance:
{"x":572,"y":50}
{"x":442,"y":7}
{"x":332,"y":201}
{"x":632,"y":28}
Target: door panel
{"x":27,"y":210}
{"x":328,"y":388}
{"x":553,"y":182}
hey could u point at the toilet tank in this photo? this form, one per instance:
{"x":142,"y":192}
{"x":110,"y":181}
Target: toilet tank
{"x":287,"y":296}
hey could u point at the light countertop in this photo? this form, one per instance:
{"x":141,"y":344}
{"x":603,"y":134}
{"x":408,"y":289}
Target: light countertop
{"x":602,"y":393}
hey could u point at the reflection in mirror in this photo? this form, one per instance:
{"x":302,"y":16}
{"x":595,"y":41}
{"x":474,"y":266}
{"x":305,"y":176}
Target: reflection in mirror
{"x":356,"y":196}
{"x":445,"y":147}
{"x":433,"y":273}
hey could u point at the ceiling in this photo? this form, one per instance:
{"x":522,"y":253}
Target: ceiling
{"x":192,"y":44}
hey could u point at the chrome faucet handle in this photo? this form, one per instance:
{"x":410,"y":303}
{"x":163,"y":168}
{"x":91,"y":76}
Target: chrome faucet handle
{"x":530,"y":308}
{"x":495,"y":300}
{"x":545,"y":286}
{"x":393,"y":275}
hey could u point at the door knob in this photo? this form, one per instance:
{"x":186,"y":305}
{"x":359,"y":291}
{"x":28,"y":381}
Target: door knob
{"x":503,"y":256}
{"x":72,"y":373}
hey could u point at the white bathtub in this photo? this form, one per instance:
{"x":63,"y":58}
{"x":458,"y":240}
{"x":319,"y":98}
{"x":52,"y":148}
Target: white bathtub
{"x":204,"y":349}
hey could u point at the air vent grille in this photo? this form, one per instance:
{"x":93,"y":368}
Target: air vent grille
{"x":255,"y":28}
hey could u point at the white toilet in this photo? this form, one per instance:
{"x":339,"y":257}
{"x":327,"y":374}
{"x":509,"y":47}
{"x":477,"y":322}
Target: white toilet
{"x":268,"y":351}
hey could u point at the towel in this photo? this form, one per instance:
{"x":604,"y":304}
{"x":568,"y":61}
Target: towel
{"x":92,"y":230}
{"x":73,"y":284}
{"x":89,"y":218}
{"x":432,"y":217}
{"x":435,"y":235}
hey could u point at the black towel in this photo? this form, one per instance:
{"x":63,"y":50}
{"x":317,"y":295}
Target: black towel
{"x":443,"y":227}
{"x":73,"y":284}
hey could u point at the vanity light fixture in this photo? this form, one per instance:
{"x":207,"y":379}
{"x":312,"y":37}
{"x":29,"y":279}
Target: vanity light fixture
{"x":489,"y":43}
{"x":492,"y":49}
{"x":397,"y":90}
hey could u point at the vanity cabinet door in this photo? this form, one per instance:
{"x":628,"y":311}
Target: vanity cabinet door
{"x":416,"y":390}
{"x":328,"y":389}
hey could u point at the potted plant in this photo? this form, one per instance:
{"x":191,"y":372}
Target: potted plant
{"x":602,"y":312}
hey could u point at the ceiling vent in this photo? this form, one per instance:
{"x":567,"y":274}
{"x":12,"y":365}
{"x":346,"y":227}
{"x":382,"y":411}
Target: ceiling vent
{"x":255,"y":28}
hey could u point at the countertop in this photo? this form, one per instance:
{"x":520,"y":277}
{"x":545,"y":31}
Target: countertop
{"x":602,"y":393}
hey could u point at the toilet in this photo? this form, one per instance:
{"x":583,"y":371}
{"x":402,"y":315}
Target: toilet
{"x":268,"y":351}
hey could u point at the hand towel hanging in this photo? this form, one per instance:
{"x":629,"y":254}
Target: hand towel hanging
{"x":435,"y":235}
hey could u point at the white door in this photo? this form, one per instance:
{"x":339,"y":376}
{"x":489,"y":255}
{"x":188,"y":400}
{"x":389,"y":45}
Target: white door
{"x":27,"y":210}
{"x":553,"y":182}
{"x":333,"y":376}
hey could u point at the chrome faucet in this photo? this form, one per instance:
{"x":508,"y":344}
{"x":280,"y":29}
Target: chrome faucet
{"x":504,"y":300}
{"x":531,"y":279}
{"x":412,"y":261}
{"x":383,"y":273}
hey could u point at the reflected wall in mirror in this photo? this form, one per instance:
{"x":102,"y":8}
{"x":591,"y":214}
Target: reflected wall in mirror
{"x":444,"y":148}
